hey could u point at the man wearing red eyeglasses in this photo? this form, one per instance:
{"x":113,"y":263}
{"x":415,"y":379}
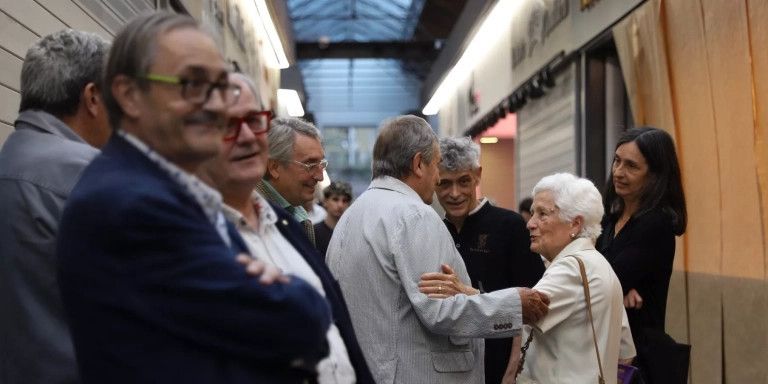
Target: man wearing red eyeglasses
{"x":271,"y":233}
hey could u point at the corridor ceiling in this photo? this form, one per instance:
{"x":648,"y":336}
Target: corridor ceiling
{"x":368,"y":55}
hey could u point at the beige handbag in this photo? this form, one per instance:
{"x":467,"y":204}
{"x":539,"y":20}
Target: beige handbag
{"x":585,"y":284}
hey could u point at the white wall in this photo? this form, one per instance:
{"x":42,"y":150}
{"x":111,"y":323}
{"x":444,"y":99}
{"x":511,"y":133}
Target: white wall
{"x":492,"y":72}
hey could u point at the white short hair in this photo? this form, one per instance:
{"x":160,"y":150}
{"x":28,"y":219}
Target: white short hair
{"x":575,"y":196}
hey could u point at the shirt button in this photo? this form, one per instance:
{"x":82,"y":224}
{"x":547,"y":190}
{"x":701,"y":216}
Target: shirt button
{"x":458,"y":245}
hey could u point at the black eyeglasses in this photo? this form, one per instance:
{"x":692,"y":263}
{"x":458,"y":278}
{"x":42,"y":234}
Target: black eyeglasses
{"x":198,"y":91}
{"x":311,"y":168}
{"x":258,"y":122}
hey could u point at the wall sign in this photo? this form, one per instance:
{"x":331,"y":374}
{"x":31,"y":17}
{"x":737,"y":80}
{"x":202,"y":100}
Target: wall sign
{"x":542,"y":20}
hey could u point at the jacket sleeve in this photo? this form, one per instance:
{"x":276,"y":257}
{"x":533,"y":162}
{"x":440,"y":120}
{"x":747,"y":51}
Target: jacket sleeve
{"x":157,"y":260}
{"x":627,"y":346}
{"x":562,"y":284}
{"x":420,"y":243}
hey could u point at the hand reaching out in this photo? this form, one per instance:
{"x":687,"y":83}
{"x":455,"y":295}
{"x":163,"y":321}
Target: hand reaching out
{"x":535,"y":305}
{"x":439,"y":285}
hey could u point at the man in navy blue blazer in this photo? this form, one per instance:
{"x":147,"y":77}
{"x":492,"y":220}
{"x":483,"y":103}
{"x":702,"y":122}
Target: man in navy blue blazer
{"x":148,"y":267}
{"x":273,"y":234}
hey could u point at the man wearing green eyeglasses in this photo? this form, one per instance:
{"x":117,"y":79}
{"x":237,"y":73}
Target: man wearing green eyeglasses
{"x":296,"y":165}
{"x":157,"y":285}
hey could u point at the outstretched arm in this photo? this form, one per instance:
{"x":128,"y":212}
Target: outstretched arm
{"x":444,"y":285}
{"x":495,"y":314}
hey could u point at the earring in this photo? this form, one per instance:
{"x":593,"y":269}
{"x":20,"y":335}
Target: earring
{"x":573,"y":235}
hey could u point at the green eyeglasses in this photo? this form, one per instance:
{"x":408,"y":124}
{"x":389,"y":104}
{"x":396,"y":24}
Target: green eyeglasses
{"x":198,"y":91}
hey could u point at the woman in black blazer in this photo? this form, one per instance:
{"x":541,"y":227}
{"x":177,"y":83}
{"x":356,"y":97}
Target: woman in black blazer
{"x":644,"y":211}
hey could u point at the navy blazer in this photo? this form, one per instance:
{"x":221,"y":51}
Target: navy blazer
{"x":297,"y":236}
{"x":154,"y":295}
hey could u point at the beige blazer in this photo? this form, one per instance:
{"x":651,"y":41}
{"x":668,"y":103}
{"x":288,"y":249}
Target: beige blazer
{"x":563,"y":350}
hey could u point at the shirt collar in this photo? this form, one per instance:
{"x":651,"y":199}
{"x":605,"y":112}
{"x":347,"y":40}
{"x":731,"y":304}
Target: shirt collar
{"x":44,"y":121}
{"x":393,"y":184}
{"x":267,"y":215}
{"x":297,"y":211}
{"x":480,"y":206}
{"x":208,"y":198}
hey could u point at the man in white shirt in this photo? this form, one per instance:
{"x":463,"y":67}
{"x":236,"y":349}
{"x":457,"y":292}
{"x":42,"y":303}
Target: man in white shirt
{"x":271,"y":233}
{"x":381,"y":247}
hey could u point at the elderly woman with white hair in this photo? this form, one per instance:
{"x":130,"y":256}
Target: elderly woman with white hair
{"x":565,"y":223}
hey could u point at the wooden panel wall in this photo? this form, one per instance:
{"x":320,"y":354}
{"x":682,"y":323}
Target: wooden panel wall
{"x":710,"y":57}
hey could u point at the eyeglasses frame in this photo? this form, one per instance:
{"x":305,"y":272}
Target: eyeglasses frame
{"x":241,"y":121}
{"x":310,"y":168}
{"x":221,"y":86}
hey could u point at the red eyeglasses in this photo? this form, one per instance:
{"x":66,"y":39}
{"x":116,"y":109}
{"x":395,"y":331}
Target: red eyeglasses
{"x":258,"y":122}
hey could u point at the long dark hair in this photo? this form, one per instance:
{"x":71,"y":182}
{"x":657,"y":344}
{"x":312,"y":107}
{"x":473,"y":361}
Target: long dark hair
{"x":665,"y":187}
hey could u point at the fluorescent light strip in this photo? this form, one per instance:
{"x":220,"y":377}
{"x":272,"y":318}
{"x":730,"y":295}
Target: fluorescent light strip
{"x":290,"y":98}
{"x":485,"y":38}
{"x":279,"y":60}
{"x":489,"y":140}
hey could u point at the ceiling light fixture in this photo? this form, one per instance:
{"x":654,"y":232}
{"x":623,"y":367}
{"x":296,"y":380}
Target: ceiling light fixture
{"x":485,"y":38}
{"x":290,"y":99}
{"x":278,"y":58}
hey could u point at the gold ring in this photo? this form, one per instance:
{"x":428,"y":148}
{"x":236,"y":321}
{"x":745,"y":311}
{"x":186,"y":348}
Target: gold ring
{"x":439,"y":289}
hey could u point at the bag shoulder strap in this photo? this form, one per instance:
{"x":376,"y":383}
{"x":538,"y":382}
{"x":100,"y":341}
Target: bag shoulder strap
{"x":585,"y":283}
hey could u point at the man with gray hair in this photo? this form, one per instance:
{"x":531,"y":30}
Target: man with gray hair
{"x":61,"y":123}
{"x":492,"y":241}
{"x":390,"y":238}
{"x":296,"y":164}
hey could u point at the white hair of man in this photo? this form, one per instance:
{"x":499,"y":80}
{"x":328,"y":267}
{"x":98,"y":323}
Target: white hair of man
{"x":399,"y":140}
{"x":282,"y":135}
{"x":459,"y":154}
{"x":575,"y":196}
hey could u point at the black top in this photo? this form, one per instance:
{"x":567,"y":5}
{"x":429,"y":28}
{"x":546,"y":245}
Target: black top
{"x":642,"y":255}
{"x":322,"y":237}
{"x":496,"y":248}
